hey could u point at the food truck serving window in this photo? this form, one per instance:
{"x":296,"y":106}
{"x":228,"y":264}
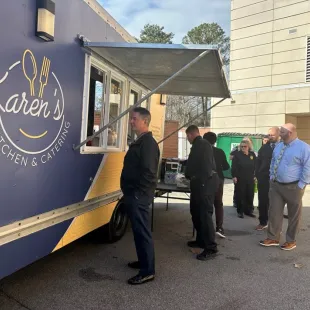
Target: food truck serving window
{"x":107,"y":93}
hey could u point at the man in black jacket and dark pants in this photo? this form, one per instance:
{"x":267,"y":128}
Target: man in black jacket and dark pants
{"x":262,"y":174}
{"x":138,"y":183}
{"x":201,"y":170}
{"x":221,"y":165}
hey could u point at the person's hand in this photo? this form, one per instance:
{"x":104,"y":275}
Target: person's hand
{"x":235,"y":180}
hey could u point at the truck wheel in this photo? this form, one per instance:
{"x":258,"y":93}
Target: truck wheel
{"x":117,"y":226}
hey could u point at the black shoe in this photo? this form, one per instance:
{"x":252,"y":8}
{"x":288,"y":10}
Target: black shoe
{"x":240,"y":215}
{"x":194,"y":244}
{"x":220,"y":232}
{"x":138,"y":279}
{"x":250,"y":214}
{"x":206,"y":255}
{"x":235,"y":206}
{"x":134,"y":265}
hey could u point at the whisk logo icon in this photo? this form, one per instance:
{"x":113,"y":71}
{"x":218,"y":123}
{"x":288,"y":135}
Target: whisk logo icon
{"x":32,"y":116}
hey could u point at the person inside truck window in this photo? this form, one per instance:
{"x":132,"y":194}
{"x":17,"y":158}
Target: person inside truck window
{"x":112,"y":137}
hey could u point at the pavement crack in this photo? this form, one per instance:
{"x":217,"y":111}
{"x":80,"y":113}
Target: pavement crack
{"x":14,"y":299}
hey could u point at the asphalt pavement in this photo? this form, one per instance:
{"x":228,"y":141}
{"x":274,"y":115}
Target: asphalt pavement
{"x":244,"y":275}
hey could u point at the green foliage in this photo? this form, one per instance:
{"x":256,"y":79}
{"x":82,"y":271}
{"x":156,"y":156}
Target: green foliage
{"x":155,"y":34}
{"x":211,"y":34}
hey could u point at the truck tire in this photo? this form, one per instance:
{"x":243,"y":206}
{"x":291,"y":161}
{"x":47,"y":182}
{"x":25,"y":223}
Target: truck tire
{"x":116,"y":228}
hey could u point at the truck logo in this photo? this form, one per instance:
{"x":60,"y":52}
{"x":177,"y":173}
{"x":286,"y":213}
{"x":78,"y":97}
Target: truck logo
{"x":32,"y":110}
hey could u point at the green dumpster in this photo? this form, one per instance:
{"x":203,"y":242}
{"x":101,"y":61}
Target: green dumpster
{"x":228,"y":140}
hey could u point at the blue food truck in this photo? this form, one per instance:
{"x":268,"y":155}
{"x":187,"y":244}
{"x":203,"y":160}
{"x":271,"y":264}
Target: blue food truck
{"x":69,"y":75}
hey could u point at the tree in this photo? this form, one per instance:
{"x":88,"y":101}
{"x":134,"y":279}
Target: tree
{"x":185,"y":108}
{"x":155,"y":34}
{"x":211,"y":34}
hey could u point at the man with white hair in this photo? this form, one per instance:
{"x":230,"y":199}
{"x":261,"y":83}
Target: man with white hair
{"x":289,"y":176}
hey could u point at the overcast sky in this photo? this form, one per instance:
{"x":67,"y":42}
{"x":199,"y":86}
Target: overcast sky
{"x":174,"y":16}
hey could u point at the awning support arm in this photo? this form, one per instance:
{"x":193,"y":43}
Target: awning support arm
{"x":191,"y":120}
{"x":200,"y":56}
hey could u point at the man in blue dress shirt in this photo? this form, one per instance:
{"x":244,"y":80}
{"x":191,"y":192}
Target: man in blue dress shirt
{"x":289,"y":176}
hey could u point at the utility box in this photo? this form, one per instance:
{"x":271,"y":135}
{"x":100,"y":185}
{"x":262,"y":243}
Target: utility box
{"x":228,"y":140}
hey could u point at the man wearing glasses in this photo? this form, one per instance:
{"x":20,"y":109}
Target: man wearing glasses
{"x":289,"y":176}
{"x":262,"y":174}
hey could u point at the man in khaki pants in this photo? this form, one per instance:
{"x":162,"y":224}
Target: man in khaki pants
{"x":289,"y":176}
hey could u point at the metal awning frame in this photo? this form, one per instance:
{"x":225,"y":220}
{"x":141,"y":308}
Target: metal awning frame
{"x":152,"y":92}
{"x":191,"y":120}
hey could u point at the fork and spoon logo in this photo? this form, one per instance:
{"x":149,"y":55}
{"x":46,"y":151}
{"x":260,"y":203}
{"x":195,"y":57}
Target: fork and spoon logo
{"x":32,"y":117}
{"x":32,"y":75}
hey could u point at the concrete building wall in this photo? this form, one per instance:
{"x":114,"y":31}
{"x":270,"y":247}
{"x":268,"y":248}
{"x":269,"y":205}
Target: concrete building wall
{"x":268,"y":67}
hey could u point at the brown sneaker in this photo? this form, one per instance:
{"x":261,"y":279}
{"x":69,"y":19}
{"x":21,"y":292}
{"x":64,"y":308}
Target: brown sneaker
{"x":287,"y":246}
{"x":261,"y":227}
{"x":269,"y":242}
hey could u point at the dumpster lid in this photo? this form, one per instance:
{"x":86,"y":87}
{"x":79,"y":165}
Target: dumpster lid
{"x":241,"y":134}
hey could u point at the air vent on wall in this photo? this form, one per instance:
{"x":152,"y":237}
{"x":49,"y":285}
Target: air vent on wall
{"x":308,"y":61}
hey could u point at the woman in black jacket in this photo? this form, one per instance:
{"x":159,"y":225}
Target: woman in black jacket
{"x":243,"y":173}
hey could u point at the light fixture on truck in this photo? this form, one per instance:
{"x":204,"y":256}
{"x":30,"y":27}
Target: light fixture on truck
{"x":45,"y":25}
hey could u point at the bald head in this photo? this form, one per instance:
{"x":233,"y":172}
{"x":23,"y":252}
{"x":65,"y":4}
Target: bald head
{"x":290,"y":127}
{"x":288,"y":132}
{"x":274,"y":134}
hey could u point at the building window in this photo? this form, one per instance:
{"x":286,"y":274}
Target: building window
{"x":308,"y":61}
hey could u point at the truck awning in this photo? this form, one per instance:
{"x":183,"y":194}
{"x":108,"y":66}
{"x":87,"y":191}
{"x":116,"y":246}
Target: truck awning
{"x":187,"y":70}
{"x":152,"y":64}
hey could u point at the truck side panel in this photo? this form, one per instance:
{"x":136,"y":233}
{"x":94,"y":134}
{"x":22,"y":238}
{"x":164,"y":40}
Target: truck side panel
{"x":41,"y":97}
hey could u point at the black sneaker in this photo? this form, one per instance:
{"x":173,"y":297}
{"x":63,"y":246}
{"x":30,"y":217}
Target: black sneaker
{"x":206,"y":255}
{"x":134,"y":265}
{"x":250,"y":214}
{"x":240,"y":215}
{"x":138,"y":279}
{"x":220,"y":232}
{"x":194,"y":244}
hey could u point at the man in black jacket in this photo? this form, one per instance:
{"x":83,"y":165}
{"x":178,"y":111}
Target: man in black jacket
{"x":262,"y":174}
{"x":221,"y":165}
{"x":201,"y":170}
{"x":138,"y":183}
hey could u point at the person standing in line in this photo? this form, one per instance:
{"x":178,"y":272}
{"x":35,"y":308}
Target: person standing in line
{"x":138,"y":183}
{"x":243,"y":173}
{"x":289,"y":176}
{"x":265,"y":139}
{"x":201,"y":171}
{"x":221,"y":165}
{"x":262,"y":168}
{"x":234,"y":151}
